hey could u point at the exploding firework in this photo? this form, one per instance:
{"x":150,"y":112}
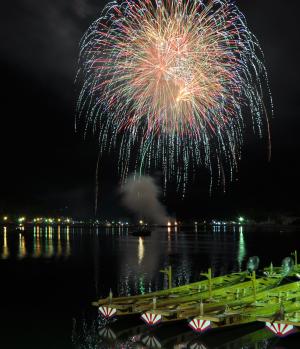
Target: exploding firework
{"x":167,"y":83}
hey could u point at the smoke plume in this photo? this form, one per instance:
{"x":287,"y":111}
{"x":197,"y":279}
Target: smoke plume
{"x":141,"y":196}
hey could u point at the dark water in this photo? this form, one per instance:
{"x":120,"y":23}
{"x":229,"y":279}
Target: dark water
{"x":49,"y":276}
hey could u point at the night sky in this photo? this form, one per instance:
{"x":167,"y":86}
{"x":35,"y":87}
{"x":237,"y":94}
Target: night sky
{"x":48,"y":168}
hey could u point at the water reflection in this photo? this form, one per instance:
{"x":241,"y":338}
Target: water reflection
{"x":5,"y":250}
{"x":37,"y":246}
{"x":169,"y":240}
{"x":68,"y":244}
{"x":41,"y":242}
{"x":130,"y":265}
{"x":49,"y":246}
{"x":59,"y":243}
{"x":141,"y":250}
{"x":177,"y":337}
{"x":137,"y":261}
{"x":22,"y":247}
{"x":242,"y":248}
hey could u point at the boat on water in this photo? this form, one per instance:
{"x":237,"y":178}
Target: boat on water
{"x":20,"y":228}
{"x":210,"y":303}
{"x":134,"y":304}
{"x":283,"y":300}
{"x":230,"y":300}
{"x":285,"y":320}
{"x":142,"y":231}
{"x":186,"y":306}
{"x":289,"y":266}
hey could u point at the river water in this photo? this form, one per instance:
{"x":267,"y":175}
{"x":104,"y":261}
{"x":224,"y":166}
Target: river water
{"x":50,"y":275}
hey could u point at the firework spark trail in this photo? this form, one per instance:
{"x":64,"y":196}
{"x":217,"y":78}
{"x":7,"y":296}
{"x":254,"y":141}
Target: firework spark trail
{"x":166,"y":81}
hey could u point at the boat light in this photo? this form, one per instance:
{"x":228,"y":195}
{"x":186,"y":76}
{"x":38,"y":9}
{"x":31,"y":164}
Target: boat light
{"x":199,"y":326}
{"x":281,"y":330}
{"x":151,"y":319}
{"x":107,"y":312}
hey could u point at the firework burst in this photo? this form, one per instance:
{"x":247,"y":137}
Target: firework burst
{"x":167,"y":83}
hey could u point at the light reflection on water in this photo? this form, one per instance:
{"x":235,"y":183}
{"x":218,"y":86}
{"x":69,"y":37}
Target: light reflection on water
{"x":42,"y":242}
{"x":5,"y":250}
{"x":141,"y":250}
{"x":242,"y":248}
{"x":22,"y":247}
{"x":135,"y":261}
{"x":141,"y":337}
{"x":130,"y":265}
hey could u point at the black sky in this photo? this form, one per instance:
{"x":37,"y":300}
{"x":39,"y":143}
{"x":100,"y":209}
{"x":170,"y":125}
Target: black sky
{"x":47,"y":168}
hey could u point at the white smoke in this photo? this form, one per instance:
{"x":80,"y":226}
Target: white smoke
{"x":141,"y":196}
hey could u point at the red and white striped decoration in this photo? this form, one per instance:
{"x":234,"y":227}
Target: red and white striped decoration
{"x":107,"y":312}
{"x":281,"y":330}
{"x":199,"y":325}
{"x":151,"y":319}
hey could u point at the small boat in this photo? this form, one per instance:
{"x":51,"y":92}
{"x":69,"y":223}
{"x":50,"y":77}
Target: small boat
{"x":20,"y":229}
{"x":265,"y":308}
{"x":134,"y":304}
{"x":216,"y":301}
{"x":142,"y":231}
{"x":284,"y":320}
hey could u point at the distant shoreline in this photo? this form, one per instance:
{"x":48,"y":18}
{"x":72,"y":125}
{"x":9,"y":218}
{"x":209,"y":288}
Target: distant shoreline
{"x":199,"y":226}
